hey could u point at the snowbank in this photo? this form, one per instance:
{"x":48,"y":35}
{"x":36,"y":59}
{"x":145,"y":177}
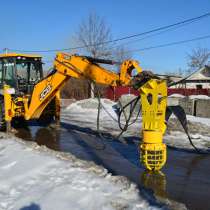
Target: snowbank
{"x":198,"y":127}
{"x":90,"y":103}
{"x":176,"y":95}
{"x":190,"y":97}
{"x":199,"y":131}
{"x":199,"y":97}
{"x":33,"y":177}
{"x":84,"y":114}
{"x":90,"y":107}
{"x":202,"y":120}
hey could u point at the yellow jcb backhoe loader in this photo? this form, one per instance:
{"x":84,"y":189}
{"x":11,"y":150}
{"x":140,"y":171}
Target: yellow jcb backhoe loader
{"x":26,"y":94}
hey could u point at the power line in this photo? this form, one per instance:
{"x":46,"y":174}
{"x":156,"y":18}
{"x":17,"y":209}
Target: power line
{"x":170,"y":44}
{"x":159,"y":46}
{"x":152,"y":35}
{"x":122,"y":38}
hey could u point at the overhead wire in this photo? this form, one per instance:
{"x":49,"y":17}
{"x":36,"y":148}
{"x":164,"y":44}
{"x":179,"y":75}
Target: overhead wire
{"x":152,"y":35}
{"x":170,"y":44}
{"x":121,"y":38}
{"x":167,"y":44}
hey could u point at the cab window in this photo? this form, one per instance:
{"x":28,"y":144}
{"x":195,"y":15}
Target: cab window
{"x":35,"y":72}
{"x":9,"y":66}
{"x":22,"y":71}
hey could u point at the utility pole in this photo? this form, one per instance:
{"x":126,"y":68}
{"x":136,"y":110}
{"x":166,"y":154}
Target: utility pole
{"x":5,"y":50}
{"x":92,"y":87}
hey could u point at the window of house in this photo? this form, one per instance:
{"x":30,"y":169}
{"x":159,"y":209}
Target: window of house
{"x":199,"y":86}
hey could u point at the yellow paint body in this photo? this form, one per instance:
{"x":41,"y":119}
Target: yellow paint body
{"x":8,"y":104}
{"x":154,"y":102}
{"x":66,"y":66}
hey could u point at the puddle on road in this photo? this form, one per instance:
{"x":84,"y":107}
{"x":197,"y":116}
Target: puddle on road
{"x":185,"y":178}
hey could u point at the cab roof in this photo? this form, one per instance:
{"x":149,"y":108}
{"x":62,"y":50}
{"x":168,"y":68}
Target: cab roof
{"x":7,"y":55}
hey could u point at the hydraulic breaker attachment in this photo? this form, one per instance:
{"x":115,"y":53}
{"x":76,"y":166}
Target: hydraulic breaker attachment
{"x":153,"y":151}
{"x":153,"y":98}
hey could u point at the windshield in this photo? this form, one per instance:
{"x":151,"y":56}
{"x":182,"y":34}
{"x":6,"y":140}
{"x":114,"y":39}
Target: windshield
{"x":28,"y":70}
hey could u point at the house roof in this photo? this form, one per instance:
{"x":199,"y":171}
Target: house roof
{"x":198,"y":75}
{"x":195,"y":76}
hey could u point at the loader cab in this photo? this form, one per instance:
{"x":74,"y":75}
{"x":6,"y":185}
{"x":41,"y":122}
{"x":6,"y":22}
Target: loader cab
{"x":20,"y":71}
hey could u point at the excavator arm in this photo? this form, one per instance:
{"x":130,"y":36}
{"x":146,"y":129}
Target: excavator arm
{"x":153,"y":93}
{"x":80,"y":67}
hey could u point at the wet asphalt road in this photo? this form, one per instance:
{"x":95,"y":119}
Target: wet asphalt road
{"x":185,"y":178}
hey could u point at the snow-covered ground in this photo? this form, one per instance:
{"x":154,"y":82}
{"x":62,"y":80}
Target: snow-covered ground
{"x":199,"y":129}
{"x":34,"y":177}
{"x":176,"y":95}
{"x":84,"y":114}
{"x":199,"y":97}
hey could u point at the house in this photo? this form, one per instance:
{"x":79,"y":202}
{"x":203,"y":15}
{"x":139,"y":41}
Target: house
{"x":197,"y":83}
{"x":172,"y":79}
{"x":199,"y":79}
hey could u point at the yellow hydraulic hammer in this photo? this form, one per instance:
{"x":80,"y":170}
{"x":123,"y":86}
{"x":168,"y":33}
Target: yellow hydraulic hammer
{"x":154,"y":101}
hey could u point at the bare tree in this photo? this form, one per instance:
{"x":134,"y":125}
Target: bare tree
{"x":95,"y":34}
{"x":198,"y":58}
{"x":121,"y":53}
{"x":178,"y":72}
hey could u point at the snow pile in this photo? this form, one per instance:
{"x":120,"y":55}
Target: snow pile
{"x":125,"y":99}
{"x":91,"y":106}
{"x":176,"y":95}
{"x":90,"y":103}
{"x":175,"y":135}
{"x":33,"y":177}
{"x":199,"y":131}
{"x":201,"y":120}
{"x":199,"y":97}
{"x":84,"y":114}
{"x":190,"y":97}
{"x":179,"y":139}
